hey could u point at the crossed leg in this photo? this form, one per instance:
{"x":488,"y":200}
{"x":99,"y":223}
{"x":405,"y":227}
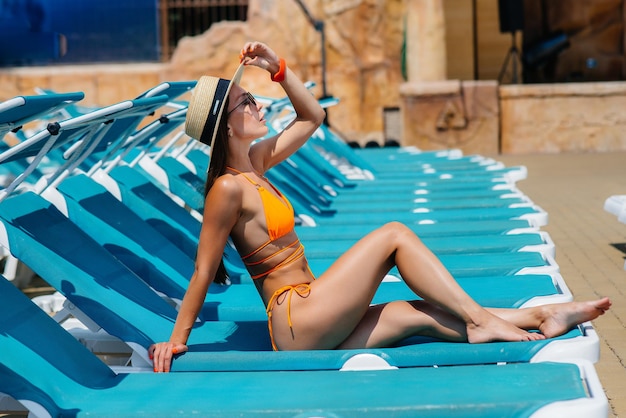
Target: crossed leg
{"x":386,"y":324}
{"x":337,"y":311}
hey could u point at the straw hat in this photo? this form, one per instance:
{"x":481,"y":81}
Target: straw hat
{"x":206,"y":106}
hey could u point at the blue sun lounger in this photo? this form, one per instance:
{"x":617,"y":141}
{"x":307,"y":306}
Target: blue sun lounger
{"x":373,"y":160}
{"x":153,"y":205}
{"x":160,"y":264}
{"x":52,"y":374}
{"x":56,"y":134}
{"x":85,"y":196}
{"x":306,"y":202}
{"x":308,"y":163}
{"x":20,"y":110}
{"x":538,"y":241}
{"x":240,"y":302}
{"x":115,"y":215}
{"x":85,"y":187}
{"x":16,"y":112}
{"x":324,"y":216}
{"x":531,"y":260}
{"x":319,"y":170}
{"x":115,"y":299}
{"x":145,"y":188}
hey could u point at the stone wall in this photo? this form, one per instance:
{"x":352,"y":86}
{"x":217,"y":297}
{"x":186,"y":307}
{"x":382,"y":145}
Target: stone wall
{"x":554,"y":118}
{"x":102,"y":84}
{"x":451,"y":114}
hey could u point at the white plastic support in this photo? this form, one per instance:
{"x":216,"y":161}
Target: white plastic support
{"x":366,"y":361}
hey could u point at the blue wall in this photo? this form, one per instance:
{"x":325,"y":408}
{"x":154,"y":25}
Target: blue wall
{"x":33,"y":32}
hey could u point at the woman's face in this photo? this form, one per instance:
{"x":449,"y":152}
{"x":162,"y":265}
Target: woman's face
{"x":245,"y":118}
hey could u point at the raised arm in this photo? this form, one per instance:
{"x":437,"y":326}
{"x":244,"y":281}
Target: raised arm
{"x":222,"y":208}
{"x":309,"y":114}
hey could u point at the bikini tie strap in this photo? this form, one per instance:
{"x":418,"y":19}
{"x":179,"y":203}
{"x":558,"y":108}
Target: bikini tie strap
{"x":303,"y":290}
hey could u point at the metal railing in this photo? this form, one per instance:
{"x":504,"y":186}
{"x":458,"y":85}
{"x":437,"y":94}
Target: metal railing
{"x":181,"y":18}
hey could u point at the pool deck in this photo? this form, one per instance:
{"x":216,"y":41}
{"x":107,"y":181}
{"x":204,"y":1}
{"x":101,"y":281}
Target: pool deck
{"x":572,"y":188}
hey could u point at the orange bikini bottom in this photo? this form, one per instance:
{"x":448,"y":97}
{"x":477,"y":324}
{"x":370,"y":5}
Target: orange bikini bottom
{"x":303,"y":290}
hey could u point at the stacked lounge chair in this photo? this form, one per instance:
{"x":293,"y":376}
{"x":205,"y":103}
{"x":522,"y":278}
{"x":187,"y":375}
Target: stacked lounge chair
{"x":616,"y":205}
{"x":117,"y":243}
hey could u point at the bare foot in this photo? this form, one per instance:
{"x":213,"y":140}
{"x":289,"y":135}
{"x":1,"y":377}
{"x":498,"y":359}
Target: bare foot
{"x":560,"y":318}
{"x":492,"y":328}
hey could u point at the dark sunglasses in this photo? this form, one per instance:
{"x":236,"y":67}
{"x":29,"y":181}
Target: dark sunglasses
{"x":248,"y":100}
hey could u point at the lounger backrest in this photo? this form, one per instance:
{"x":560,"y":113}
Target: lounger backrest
{"x":151,"y":203}
{"x":60,"y":133}
{"x":172,"y":89}
{"x":22,"y":109}
{"x":87,"y":274}
{"x":147,"y":137}
{"x":125,"y":235}
{"x":34,"y":346}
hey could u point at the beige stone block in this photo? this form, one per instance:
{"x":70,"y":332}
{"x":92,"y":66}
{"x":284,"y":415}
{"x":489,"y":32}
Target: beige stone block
{"x":113,"y":87}
{"x":27,"y":84}
{"x":8,"y":85}
{"x":451,"y":114}
{"x":574,"y":117}
{"x":77,"y":81}
{"x":346,"y":116}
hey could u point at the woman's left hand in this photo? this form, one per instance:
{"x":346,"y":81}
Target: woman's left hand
{"x":260,"y":55}
{"x":162,"y":354}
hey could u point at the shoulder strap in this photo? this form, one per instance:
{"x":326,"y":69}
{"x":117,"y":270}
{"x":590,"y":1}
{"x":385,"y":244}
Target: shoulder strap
{"x":246,"y":177}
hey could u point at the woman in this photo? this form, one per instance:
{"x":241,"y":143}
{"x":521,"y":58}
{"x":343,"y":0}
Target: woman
{"x":332,"y":311}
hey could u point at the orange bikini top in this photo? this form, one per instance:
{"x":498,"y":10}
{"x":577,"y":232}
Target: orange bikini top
{"x":279,"y":218}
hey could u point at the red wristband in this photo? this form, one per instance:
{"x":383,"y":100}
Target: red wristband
{"x":280,"y":74}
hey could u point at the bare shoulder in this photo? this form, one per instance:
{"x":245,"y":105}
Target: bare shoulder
{"x":225,"y":192}
{"x":228,"y":185}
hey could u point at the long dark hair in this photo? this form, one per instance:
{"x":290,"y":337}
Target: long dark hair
{"x":217,"y":167}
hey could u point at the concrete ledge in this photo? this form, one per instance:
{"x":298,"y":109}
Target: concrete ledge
{"x":431,"y":88}
{"x":616,"y":88}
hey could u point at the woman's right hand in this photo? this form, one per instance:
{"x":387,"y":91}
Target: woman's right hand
{"x":162,"y":353}
{"x":260,"y":55}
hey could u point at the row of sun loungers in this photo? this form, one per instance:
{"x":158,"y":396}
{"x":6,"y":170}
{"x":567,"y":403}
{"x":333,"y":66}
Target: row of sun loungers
{"x":106,"y":207}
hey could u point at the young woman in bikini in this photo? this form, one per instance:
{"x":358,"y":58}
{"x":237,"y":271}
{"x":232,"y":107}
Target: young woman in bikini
{"x":332,"y":310}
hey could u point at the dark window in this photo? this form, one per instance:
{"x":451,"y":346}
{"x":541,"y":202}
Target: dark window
{"x":192,"y":17}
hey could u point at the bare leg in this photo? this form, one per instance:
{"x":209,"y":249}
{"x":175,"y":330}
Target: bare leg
{"x":389,"y":323}
{"x":386,"y":324}
{"x":554,"y":319}
{"x":339,"y":299}
{"x":427,"y":277}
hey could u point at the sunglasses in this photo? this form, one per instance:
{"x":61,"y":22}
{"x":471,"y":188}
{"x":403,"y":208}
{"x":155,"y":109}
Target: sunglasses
{"x":249,"y":100}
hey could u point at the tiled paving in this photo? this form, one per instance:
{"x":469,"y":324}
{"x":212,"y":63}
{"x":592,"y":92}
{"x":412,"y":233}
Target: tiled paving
{"x":572,"y":188}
